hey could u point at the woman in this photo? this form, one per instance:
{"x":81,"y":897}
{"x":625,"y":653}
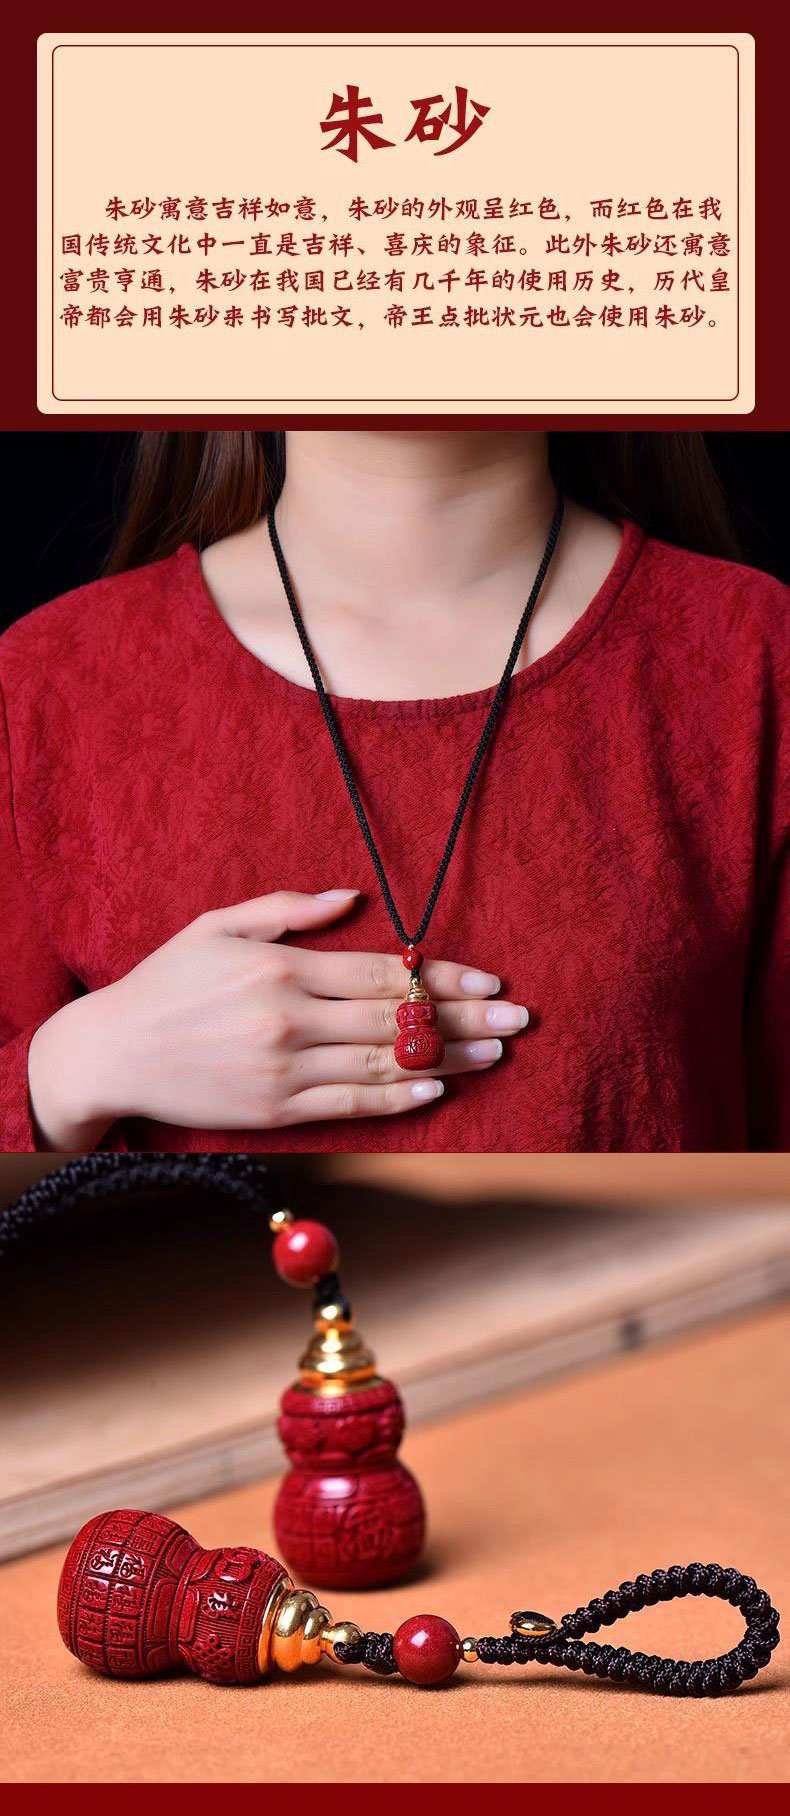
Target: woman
{"x":198,"y":951}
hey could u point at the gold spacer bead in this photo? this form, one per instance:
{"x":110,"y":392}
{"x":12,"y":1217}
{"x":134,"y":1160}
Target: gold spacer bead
{"x":298,"y":1625}
{"x":312,"y":1630}
{"x":340,"y":1633}
{"x":279,"y":1220}
{"x":469,"y":1650}
{"x":531,"y":1625}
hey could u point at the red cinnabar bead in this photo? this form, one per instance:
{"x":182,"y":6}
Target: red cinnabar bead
{"x":412,"y":958}
{"x":426,"y":1649}
{"x":303,"y":1252}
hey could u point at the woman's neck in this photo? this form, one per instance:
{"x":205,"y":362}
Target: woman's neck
{"x":411,"y":556}
{"x":415,"y":518}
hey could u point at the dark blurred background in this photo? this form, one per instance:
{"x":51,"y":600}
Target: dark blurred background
{"x":64,"y":491}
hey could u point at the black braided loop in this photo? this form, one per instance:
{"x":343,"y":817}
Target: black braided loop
{"x":95,"y":1177}
{"x":486,"y":735}
{"x":663,"y":1676}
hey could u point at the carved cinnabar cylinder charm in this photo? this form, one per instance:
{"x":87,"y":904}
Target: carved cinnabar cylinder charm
{"x":349,"y":1515}
{"x":419,"y":1046}
{"x":138,"y":1596}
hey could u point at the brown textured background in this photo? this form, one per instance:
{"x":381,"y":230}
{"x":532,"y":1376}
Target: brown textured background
{"x":543,"y":1500}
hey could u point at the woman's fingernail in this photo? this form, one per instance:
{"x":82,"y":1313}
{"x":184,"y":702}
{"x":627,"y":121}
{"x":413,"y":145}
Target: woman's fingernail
{"x":479,"y":983}
{"x":427,"y":1090}
{"x":481,"y":1052}
{"x":510,"y":1017}
{"x":334,"y":895}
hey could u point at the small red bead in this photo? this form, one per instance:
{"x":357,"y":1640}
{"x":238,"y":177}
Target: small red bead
{"x":303,"y":1252}
{"x":412,"y":958}
{"x":426,"y":1649}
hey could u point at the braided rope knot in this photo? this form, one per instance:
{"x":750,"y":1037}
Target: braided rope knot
{"x":374,"y":1650}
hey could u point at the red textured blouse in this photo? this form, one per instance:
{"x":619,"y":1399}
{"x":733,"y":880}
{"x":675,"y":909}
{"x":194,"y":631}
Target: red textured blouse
{"x":619,"y":867}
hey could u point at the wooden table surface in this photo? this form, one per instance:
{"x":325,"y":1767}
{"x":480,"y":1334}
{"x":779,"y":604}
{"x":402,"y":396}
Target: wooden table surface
{"x":543,"y":1501}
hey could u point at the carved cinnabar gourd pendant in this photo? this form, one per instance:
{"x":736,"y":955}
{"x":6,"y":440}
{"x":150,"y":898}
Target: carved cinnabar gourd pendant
{"x":419,"y":1046}
{"x":348,"y":1514}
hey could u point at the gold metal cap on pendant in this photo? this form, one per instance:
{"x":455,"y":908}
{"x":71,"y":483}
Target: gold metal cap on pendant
{"x":336,"y":1358}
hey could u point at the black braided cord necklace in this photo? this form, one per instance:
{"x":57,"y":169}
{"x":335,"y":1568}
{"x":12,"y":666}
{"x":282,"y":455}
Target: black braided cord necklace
{"x":419,"y":1045}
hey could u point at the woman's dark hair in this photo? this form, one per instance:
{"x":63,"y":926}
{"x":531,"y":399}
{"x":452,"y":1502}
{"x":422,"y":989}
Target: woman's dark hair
{"x":197,"y":486}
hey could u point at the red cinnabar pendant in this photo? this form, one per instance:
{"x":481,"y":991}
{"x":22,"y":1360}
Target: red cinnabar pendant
{"x":419,"y":1046}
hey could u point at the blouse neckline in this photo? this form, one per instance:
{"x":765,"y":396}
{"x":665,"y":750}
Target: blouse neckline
{"x":199,"y":600}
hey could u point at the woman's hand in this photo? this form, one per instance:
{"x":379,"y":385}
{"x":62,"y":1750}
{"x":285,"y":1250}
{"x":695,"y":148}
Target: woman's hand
{"x":223,"y":1028}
